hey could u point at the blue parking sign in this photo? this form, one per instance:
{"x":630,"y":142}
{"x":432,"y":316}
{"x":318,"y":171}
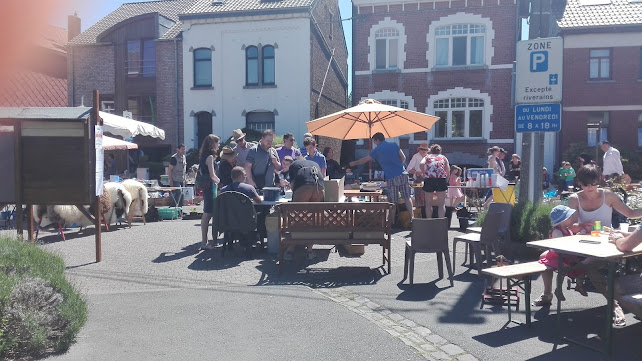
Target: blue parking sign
{"x":539,"y":61}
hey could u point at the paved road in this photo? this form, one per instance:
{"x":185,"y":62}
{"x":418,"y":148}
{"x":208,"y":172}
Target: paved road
{"x":155,"y":297}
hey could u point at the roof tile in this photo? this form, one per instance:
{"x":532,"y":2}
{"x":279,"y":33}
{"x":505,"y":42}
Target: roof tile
{"x":618,"y":12}
{"x":209,"y":7}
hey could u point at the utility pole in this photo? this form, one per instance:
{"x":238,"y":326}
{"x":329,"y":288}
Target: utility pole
{"x":533,"y":142}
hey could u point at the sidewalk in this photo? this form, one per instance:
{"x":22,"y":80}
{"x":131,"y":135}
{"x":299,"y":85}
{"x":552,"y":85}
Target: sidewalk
{"x":155,"y":296}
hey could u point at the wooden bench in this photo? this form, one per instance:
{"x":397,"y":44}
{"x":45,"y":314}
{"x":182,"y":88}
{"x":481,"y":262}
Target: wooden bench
{"x":334,"y":223}
{"x":521,"y":273}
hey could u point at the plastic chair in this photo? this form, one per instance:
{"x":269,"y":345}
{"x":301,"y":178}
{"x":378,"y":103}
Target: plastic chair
{"x":487,"y":238}
{"x":428,"y":236}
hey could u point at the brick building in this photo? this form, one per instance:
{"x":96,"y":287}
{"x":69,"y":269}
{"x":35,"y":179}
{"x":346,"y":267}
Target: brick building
{"x":261,"y":65}
{"x":133,"y":56}
{"x":602,"y":96}
{"x":451,"y":58}
{"x":41,"y":80}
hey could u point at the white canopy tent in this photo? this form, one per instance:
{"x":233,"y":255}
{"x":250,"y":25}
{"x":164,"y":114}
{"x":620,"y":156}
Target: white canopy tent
{"x":110,"y":143}
{"x":128,"y":128}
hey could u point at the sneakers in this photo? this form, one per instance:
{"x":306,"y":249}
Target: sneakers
{"x":311,"y":256}
{"x":618,"y":316}
{"x":208,"y":246}
{"x":288,"y":256}
{"x":543,"y":300}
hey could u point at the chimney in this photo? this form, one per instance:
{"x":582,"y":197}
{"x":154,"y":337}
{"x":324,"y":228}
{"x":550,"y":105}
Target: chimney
{"x":73,"y":26}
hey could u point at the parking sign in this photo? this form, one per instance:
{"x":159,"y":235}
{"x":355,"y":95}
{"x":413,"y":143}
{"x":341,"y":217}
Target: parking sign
{"x":539,"y":71}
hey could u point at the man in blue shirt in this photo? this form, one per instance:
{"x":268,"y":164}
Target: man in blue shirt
{"x":391,"y":159}
{"x":311,"y":148}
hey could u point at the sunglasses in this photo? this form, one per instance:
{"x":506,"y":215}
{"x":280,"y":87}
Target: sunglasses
{"x":594,"y":184}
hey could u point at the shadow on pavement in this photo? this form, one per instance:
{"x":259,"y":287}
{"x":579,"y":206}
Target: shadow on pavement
{"x":186,"y":251}
{"x":419,"y":291}
{"x":586,"y":325}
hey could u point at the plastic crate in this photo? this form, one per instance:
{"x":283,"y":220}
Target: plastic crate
{"x":169,"y":213}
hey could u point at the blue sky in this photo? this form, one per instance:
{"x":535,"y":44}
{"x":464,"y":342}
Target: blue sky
{"x":92,"y":11}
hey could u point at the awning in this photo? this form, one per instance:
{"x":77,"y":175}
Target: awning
{"x":128,"y":128}
{"x":110,"y":143}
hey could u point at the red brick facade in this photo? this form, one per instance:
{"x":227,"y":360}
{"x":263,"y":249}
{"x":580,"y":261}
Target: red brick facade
{"x":420,"y":81}
{"x":619,"y":96}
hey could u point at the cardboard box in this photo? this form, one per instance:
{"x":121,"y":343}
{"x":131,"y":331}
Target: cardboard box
{"x":334,"y":190}
{"x":188,"y":193}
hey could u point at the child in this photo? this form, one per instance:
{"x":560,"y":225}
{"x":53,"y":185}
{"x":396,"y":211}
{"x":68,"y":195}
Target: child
{"x":562,"y":218}
{"x":454,"y":194}
{"x":566,"y":175}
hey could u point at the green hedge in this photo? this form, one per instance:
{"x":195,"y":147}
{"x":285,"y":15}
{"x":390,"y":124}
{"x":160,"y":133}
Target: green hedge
{"x":529,"y":222}
{"x":40,"y":312}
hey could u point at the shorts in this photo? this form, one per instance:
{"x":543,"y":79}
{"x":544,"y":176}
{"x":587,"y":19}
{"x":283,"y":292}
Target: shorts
{"x":397,"y":185}
{"x":435,"y":185}
{"x":308,"y":193}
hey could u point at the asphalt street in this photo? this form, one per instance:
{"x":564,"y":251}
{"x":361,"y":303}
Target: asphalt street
{"x":156,"y":297}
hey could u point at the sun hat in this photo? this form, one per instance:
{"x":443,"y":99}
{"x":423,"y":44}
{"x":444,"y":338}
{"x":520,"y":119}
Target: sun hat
{"x":561,"y":213}
{"x":423,"y":146}
{"x":237,"y":134}
{"x":227,"y":153}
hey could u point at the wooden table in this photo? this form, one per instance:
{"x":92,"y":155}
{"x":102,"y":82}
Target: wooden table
{"x":586,"y":246}
{"x":374,"y":195}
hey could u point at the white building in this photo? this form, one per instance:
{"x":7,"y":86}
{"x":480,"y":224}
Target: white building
{"x":261,"y":65}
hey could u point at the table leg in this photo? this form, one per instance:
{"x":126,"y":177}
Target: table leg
{"x":527,"y":298}
{"x":560,"y":280}
{"x":609,"y":307}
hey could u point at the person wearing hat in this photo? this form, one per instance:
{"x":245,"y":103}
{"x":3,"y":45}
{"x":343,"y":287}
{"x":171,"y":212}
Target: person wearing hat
{"x":413,"y":166}
{"x":228,"y":161}
{"x":242,"y":147}
{"x":562,"y":219}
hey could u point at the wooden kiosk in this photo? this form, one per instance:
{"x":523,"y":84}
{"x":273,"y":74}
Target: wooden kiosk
{"x":51,"y":156}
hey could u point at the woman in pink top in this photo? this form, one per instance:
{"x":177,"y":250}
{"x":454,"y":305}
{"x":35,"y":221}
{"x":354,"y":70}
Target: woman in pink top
{"x":435,"y":168}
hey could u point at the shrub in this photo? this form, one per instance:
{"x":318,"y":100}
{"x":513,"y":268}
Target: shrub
{"x":529,"y":222}
{"x":40,"y":312}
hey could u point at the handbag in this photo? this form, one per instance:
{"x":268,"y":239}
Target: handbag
{"x":202,"y":180}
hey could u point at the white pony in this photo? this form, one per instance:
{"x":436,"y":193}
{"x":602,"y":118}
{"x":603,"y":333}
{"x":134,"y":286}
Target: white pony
{"x":139,"y":195}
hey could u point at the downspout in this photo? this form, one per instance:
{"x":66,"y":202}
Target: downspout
{"x":73,"y":88}
{"x":177,"y":91}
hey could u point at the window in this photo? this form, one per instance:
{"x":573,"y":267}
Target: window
{"x":640,"y":65}
{"x":597,"y":125}
{"x":460,"y":45}
{"x":259,"y":121}
{"x":251,"y":65}
{"x":141,"y":58}
{"x":600,"y":64}
{"x":459,"y":118}
{"x":640,"y":130}
{"x":203,"y":127}
{"x":203,"y":67}
{"x":268,"y":65}
{"x":259,"y":70}
{"x":143,"y":108}
{"x":387,"y":43}
{"x":395,"y":103}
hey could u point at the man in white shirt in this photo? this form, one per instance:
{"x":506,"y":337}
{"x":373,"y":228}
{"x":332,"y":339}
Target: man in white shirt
{"x":611,"y":165}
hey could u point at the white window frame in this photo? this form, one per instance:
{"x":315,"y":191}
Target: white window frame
{"x":388,"y":35}
{"x":487,"y":111}
{"x":458,"y":20}
{"x":388,"y":97}
{"x":387,"y":23}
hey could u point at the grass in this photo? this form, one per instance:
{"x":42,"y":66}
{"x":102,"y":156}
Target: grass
{"x":40,"y":311}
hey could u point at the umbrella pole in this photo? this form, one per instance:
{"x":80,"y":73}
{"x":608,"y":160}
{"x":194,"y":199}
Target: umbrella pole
{"x":370,"y":151}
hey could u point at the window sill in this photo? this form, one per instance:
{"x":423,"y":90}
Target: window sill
{"x":383,"y":71}
{"x":202,"y":88}
{"x":457,"y":68}
{"x":259,"y":86}
{"x":458,"y":140}
{"x":598,"y":81}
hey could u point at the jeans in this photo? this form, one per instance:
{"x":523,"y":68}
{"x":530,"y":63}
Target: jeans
{"x":178,"y":195}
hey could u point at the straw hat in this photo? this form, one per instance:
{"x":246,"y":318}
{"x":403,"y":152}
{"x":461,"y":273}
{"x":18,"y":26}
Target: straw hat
{"x":237,"y":134}
{"x":423,"y":146}
{"x":227,"y":153}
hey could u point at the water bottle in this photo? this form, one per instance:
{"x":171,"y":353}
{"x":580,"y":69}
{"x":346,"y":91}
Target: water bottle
{"x":214,"y":189}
